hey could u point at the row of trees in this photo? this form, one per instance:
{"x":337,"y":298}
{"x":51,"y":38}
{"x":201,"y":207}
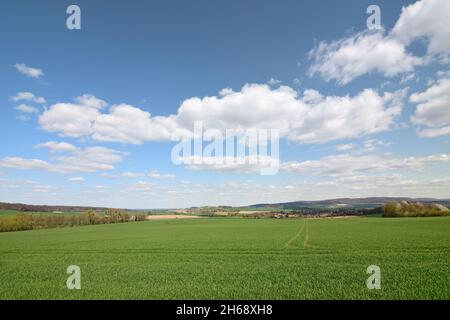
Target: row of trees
{"x":29,"y":221}
{"x":416,"y":209}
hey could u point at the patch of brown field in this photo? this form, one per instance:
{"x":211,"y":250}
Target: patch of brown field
{"x":252,"y":212}
{"x":221,"y":213}
{"x":342,"y":217}
{"x":170,"y":217}
{"x":178,"y":211}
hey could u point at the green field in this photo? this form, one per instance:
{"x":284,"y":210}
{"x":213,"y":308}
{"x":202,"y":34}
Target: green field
{"x":231,"y":259}
{"x":7,"y":213}
{"x":10,"y":213}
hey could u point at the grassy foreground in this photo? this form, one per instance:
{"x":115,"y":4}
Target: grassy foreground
{"x":231,"y":259}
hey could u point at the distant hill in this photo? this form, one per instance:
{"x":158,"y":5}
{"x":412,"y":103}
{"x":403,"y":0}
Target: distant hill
{"x":349,"y":203}
{"x":369,"y":203}
{"x":43,"y":208}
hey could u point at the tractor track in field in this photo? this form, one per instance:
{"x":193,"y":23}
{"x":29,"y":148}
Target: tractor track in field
{"x":304,"y":230}
{"x":289,"y":243}
{"x":305,"y":242}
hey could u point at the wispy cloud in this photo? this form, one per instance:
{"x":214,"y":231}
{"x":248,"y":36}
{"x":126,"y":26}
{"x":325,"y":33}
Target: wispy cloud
{"x":57,"y":146}
{"x":29,"y":71}
{"x":28,"y":96}
{"x":90,"y":159}
{"x":26,"y":108}
{"x":349,"y":165}
{"x":156,"y":175}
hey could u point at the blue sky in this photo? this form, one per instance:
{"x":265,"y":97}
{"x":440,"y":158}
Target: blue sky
{"x":86,"y":115}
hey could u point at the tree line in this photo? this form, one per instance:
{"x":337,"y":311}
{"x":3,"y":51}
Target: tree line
{"x":414,"y":209}
{"x":30,"y":221}
{"x":44,"y":208}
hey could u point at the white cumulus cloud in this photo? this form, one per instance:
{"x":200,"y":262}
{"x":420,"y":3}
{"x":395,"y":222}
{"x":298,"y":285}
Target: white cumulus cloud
{"x":433,"y":109}
{"x":309,"y":119}
{"x":425,"y":19}
{"x":91,"y":101}
{"x":386,"y":52}
{"x":129,"y":124}
{"x":69,"y":120}
{"x":366,"y":52}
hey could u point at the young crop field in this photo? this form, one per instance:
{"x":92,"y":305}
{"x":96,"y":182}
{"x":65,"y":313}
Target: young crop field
{"x":231,"y":258}
{"x":7,"y":213}
{"x":10,"y":213}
